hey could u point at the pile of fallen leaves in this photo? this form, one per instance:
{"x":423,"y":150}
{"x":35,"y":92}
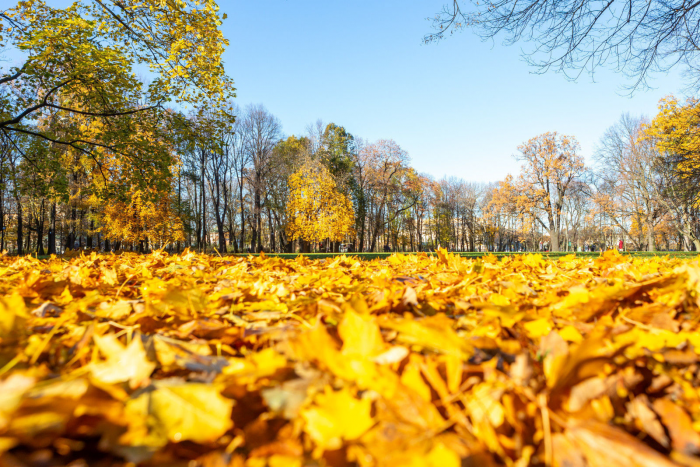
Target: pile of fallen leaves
{"x":409,"y":361}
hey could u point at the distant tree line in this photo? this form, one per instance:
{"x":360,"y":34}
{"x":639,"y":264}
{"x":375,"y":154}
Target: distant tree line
{"x":237,"y":184}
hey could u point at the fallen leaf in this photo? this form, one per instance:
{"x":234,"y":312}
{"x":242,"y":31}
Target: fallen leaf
{"x":684,"y":438}
{"x":183,"y":411}
{"x":337,"y":416}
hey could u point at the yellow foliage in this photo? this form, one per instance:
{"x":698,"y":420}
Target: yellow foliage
{"x":264,"y":361}
{"x":337,"y":416}
{"x":676,"y":132}
{"x":316,"y":209}
{"x":139,"y":219}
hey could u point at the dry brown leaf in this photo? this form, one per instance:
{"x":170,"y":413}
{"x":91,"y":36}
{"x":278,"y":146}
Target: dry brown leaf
{"x":684,"y":438}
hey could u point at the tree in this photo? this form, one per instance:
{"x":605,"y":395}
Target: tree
{"x":78,"y":76}
{"x":262,"y":131}
{"x":290,"y":154}
{"x":140,"y":220}
{"x":316,"y":209}
{"x":551,"y":164}
{"x":509,"y":204}
{"x":337,"y":151}
{"x":384,"y":163}
{"x":239,"y":159}
{"x":674,"y":134}
{"x":634,"y":37}
{"x":626,"y":169}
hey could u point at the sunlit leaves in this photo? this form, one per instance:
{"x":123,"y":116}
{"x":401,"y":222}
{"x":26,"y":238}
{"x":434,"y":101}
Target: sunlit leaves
{"x":144,"y":215}
{"x":337,"y":416}
{"x":316,"y":209}
{"x":75,"y":106}
{"x":412,"y":360}
{"x":674,"y":131}
{"x":122,"y":363}
{"x":183,"y":411}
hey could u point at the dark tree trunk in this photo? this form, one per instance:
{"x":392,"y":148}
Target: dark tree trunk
{"x":197,"y":218}
{"x":40,"y":231}
{"x":273,"y":246}
{"x":52,"y":230}
{"x":28,"y":243}
{"x":220,"y":224}
{"x":253,"y":234}
{"x":255,"y":242}
{"x":70,"y":239}
{"x":90,"y":234}
{"x":19,"y":228}
{"x":80,"y":235}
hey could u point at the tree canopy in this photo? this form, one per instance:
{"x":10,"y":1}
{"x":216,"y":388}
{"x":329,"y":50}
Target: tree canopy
{"x":316,"y":209}
{"x":77,"y":85}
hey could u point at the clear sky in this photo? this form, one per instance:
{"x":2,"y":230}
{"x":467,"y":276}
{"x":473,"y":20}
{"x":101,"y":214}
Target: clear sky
{"x":460,"y":107}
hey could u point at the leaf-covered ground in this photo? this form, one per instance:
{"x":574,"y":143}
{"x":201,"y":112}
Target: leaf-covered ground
{"x":408,"y":361}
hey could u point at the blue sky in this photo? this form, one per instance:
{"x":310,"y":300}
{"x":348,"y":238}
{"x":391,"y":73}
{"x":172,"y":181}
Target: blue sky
{"x":460,"y":107}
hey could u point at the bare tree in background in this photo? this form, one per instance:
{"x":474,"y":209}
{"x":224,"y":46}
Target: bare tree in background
{"x":314,"y":131}
{"x":239,"y":160}
{"x":626,"y":167}
{"x":262,"y":131}
{"x":636,"y":37}
{"x":219,"y":174}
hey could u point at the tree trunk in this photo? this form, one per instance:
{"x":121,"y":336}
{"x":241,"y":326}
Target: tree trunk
{"x":28,"y":243}
{"x":19,"y":228}
{"x":70,"y":238}
{"x":273,"y":246}
{"x":222,"y":234}
{"x":651,"y":241}
{"x":240,"y":199}
{"x":553,"y":240}
{"x":40,"y":231}
{"x":231,"y":231}
{"x":52,"y":230}
{"x":80,"y":236}
{"x":255,"y":242}
{"x":197,"y":216}
{"x":89,"y":235}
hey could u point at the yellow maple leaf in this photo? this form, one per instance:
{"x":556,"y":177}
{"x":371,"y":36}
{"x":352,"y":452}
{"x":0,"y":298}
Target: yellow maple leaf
{"x":361,"y":335}
{"x":12,"y":311}
{"x":438,"y":456}
{"x":337,"y":416}
{"x":182,"y":411}
{"x":538,"y":328}
{"x":123,"y":364}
